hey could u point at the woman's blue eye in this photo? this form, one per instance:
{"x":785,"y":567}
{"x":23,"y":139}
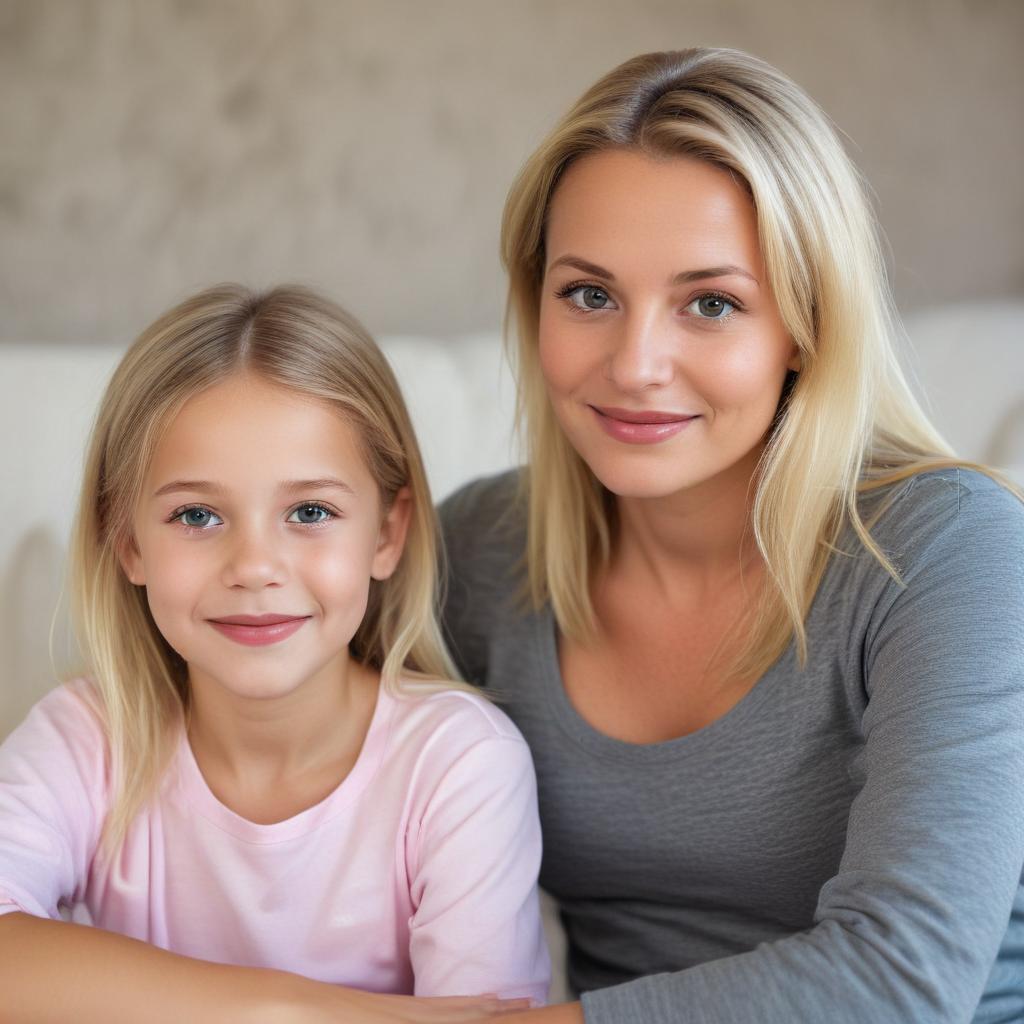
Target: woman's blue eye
{"x":588,"y":296}
{"x":711,"y":307}
{"x":198,"y":518}
{"x":310,"y":514}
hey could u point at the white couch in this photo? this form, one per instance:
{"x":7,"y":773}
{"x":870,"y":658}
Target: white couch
{"x":969,"y":361}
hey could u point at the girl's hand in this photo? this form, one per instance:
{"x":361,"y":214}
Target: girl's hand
{"x":435,"y":1010}
{"x":319,"y":1003}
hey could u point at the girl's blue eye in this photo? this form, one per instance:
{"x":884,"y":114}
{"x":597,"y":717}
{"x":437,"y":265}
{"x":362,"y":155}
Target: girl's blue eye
{"x":197,"y":518}
{"x":310,"y":515}
{"x":711,"y":307}
{"x":587,"y":296}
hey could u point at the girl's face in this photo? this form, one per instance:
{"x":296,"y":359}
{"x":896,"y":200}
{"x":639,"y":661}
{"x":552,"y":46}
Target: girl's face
{"x":257,"y":534}
{"x":662,"y":348}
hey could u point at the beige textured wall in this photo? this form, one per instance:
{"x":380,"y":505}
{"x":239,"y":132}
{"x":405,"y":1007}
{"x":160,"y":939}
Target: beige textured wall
{"x":151,"y":147}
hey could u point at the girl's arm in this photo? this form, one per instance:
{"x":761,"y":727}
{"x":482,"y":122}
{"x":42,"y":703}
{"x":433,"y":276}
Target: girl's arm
{"x":53,"y":971}
{"x":52,"y":801}
{"x":564,"y":1013}
{"x":474,"y":858}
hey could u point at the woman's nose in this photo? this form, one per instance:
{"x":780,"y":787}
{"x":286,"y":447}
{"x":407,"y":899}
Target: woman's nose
{"x":254,"y":559}
{"x":643,"y":352}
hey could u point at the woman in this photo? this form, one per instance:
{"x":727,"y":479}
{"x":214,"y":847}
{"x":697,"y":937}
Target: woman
{"x":761,"y":629}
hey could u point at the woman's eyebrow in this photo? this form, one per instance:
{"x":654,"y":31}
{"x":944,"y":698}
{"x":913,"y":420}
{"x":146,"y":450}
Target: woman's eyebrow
{"x":726,"y":270}
{"x":580,"y":264}
{"x":684,"y":277}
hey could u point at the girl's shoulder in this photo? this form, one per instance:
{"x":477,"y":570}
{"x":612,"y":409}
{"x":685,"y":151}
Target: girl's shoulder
{"x":69,"y":715}
{"x":463,"y":717}
{"x":452,"y":748}
{"x":57,"y":761}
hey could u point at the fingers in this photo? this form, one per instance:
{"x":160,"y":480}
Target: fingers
{"x":443,"y":1010}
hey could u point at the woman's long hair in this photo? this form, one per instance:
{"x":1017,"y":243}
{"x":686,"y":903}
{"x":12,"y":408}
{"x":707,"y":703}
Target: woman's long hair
{"x":300,"y":341}
{"x":849,"y":420}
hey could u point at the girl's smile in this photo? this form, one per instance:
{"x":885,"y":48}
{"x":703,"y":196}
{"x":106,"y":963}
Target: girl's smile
{"x":257,"y":536}
{"x":258,"y":630}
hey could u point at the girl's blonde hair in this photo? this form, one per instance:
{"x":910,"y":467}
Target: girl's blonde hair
{"x":848,"y":420}
{"x":300,"y":341}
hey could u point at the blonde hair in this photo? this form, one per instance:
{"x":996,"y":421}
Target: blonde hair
{"x":847,"y":422}
{"x":300,"y":341}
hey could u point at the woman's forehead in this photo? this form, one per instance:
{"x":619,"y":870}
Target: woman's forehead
{"x":624,"y":205}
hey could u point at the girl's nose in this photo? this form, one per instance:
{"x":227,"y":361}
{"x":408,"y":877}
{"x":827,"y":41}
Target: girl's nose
{"x":643,"y":353}
{"x":254,"y":560}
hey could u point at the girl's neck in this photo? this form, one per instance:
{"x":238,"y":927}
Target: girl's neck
{"x":254,"y":742}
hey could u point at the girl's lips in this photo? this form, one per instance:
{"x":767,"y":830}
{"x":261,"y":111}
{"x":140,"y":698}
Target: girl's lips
{"x":257,"y":630}
{"x":640,"y":427}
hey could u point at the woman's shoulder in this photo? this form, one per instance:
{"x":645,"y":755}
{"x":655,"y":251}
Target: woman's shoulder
{"x":485,"y":505}
{"x":484,"y":527}
{"x":951,"y":515}
{"x":961,"y":506}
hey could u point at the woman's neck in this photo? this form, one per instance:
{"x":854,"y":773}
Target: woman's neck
{"x":696,"y":539}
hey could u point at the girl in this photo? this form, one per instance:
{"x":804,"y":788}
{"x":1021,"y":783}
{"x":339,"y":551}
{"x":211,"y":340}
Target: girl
{"x":268,"y":778}
{"x":772,"y":671}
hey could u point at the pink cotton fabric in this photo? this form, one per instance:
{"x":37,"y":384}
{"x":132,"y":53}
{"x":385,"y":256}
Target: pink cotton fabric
{"x":416,"y":875}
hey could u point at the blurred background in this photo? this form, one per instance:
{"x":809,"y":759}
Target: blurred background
{"x":151,"y":147}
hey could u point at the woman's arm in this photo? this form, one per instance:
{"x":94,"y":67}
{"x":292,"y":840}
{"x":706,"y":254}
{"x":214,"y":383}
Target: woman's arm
{"x":53,"y":971}
{"x":910,"y":925}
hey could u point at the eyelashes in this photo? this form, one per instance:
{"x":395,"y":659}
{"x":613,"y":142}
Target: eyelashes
{"x":711,"y":306}
{"x":196,"y":519}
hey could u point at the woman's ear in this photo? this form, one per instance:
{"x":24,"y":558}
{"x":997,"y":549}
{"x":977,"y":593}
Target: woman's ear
{"x":796,"y":360}
{"x":391,"y":539}
{"x":131,"y":561}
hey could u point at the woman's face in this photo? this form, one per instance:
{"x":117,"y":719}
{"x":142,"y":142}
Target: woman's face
{"x":661,"y":345}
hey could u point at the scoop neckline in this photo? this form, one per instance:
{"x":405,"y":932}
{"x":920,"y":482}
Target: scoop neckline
{"x":203,"y":800}
{"x":600,"y":744}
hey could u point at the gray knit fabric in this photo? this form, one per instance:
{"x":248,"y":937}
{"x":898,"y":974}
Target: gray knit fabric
{"x":844,"y":845}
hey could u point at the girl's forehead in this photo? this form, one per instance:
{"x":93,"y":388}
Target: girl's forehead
{"x":248,"y":433}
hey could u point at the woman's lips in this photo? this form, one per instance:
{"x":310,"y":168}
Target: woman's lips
{"x":258,"y":630}
{"x":640,"y":427}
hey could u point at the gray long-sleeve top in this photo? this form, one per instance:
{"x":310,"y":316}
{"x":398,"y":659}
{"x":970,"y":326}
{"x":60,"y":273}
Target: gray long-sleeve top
{"x":846,"y":843}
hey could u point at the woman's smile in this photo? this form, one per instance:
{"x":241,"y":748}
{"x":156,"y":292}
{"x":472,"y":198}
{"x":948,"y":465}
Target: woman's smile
{"x":665,"y":364}
{"x":641,"y":427}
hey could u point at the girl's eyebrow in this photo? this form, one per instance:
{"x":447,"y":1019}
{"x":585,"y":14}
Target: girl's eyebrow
{"x":187,"y":485}
{"x":320,"y":484}
{"x":726,"y":270}
{"x":206,"y":487}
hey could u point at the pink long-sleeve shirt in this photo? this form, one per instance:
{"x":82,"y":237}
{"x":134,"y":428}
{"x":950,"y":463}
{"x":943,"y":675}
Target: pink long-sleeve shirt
{"x":416,"y":875}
